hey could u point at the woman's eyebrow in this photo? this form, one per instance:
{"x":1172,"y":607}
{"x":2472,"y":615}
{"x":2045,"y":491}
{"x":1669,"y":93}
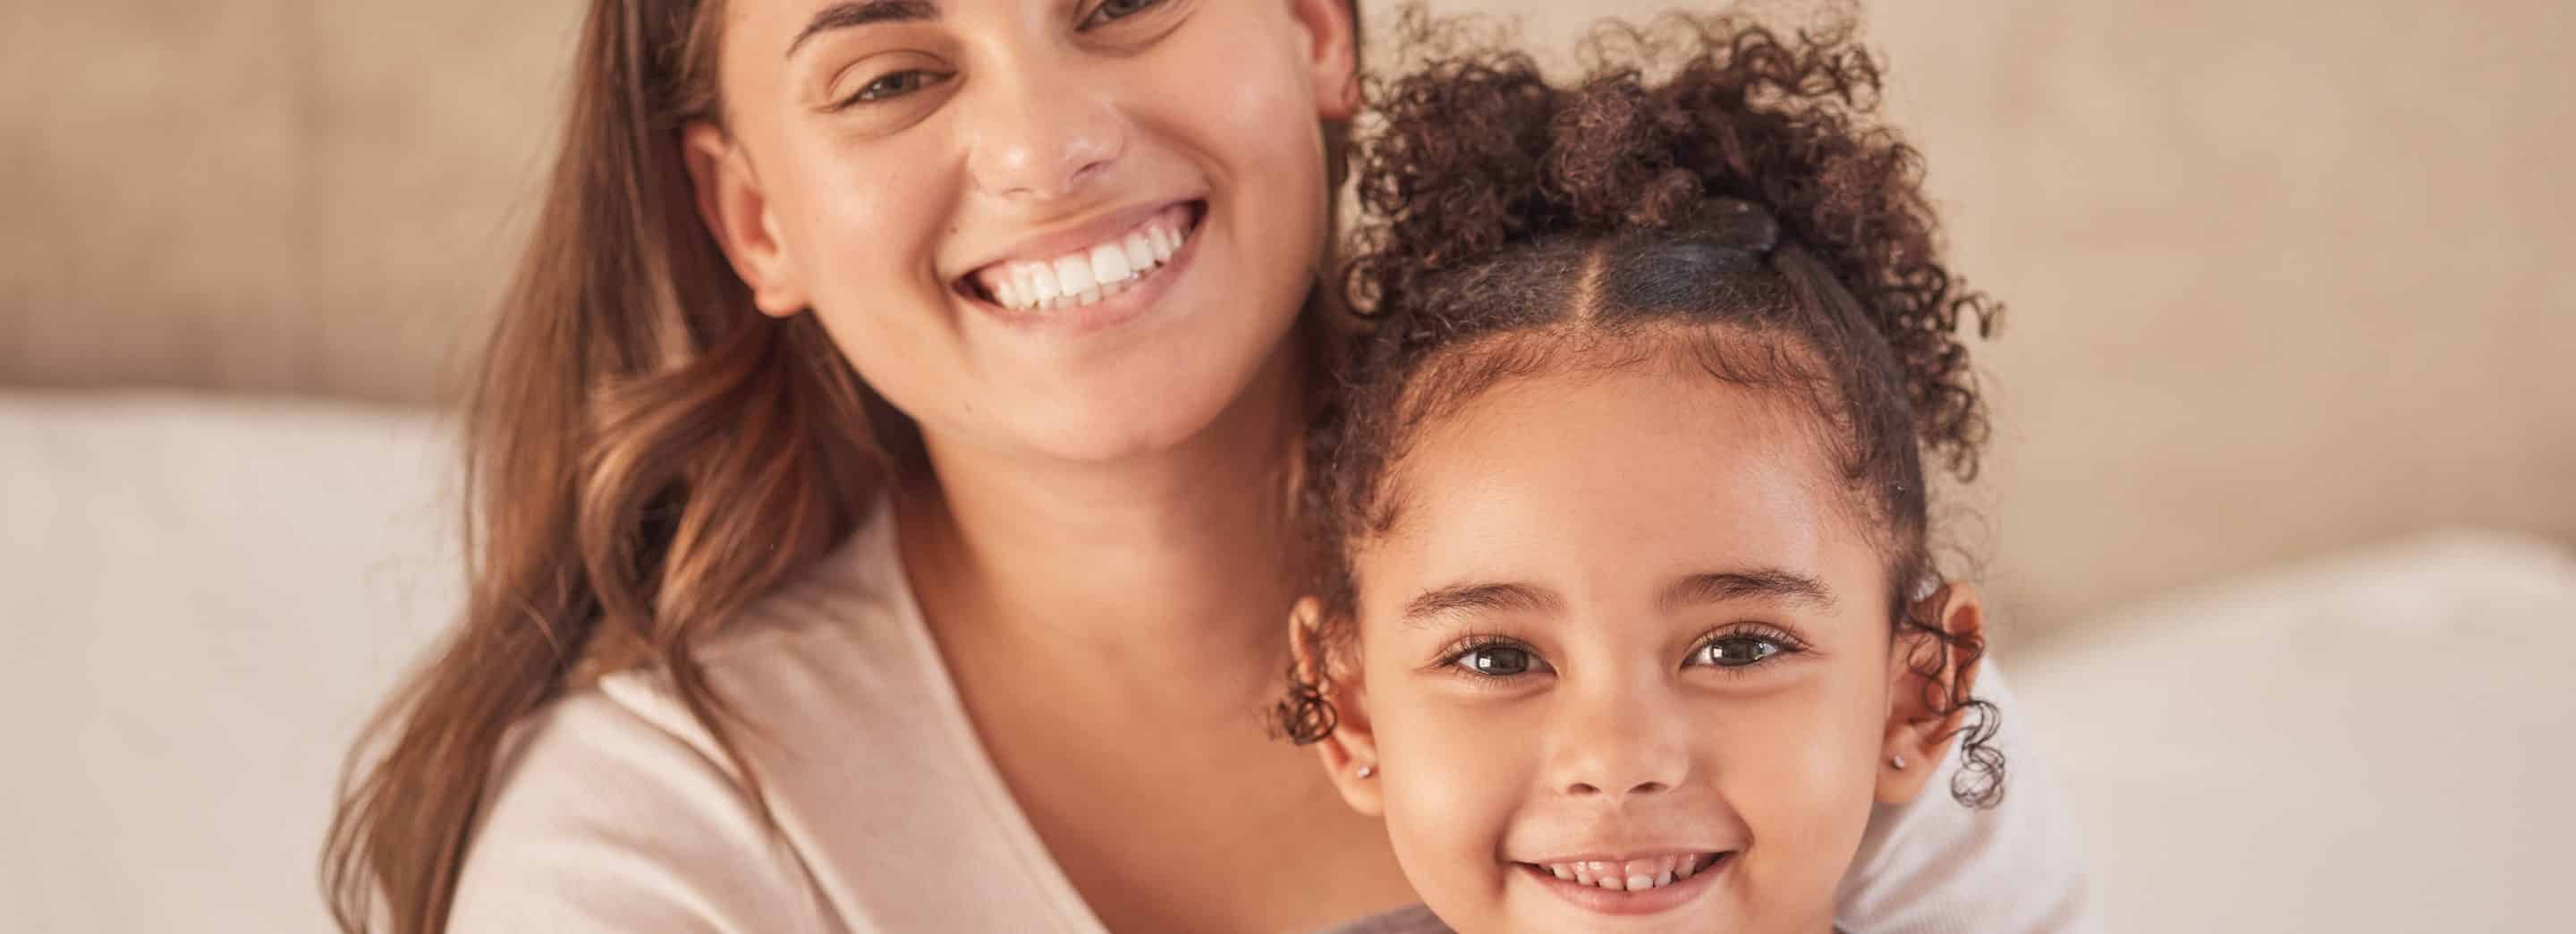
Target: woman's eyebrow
{"x":856,"y":13}
{"x":1776,"y":584}
{"x":1506,"y":597}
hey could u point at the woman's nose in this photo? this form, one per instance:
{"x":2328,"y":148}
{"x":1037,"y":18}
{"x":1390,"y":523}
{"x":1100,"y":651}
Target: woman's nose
{"x":1620,"y":745}
{"x":1038,"y":137}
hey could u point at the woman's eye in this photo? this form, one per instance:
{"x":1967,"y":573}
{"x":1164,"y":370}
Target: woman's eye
{"x":1735,"y":651}
{"x":1498,"y":661}
{"x":1113,"y":10}
{"x":895,"y":85}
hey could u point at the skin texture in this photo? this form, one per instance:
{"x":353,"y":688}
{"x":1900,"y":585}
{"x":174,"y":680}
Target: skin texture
{"x":1100,"y":542}
{"x":1622,"y":734}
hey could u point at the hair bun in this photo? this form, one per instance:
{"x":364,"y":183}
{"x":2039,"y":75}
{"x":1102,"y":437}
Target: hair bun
{"x":1742,"y":137}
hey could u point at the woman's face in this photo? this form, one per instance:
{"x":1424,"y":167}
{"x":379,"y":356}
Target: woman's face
{"x":1625,"y":660}
{"x":1067,"y":228}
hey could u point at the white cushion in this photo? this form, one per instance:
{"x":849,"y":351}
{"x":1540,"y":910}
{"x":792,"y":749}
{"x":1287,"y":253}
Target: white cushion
{"x":204,"y":599}
{"x":2378,"y":742}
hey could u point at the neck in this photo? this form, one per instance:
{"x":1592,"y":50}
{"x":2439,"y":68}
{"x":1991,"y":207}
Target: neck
{"x":1168,"y":572}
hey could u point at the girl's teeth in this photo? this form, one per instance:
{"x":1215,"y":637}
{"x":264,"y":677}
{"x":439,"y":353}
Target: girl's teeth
{"x":1636,"y":875}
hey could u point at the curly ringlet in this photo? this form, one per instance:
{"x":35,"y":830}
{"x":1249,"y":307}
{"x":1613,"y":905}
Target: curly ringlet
{"x":1711,"y":190}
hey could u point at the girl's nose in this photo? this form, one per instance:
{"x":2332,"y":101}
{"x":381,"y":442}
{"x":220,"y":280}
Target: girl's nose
{"x":1619,"y":745}
{"x":1037,"y":136}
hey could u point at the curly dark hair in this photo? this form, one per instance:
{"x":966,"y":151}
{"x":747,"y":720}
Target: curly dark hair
{"x":1712,"y":188}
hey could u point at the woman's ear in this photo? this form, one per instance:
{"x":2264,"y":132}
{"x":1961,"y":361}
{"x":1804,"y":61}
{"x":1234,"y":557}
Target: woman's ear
{"x":735,"y":209}
{"x":1924,"y":674}
{"x":1349,"y":752}
{"x":1333,"y":55}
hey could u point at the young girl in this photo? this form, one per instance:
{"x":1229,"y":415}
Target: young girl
{"x":880,"y":517}
{"x":1627,"y":617}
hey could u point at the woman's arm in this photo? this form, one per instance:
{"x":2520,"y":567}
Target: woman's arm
{"x":1936,"y":866}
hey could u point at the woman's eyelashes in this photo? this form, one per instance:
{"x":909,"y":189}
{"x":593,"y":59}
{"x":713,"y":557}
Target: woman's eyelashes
{"x":1111,"y":11}
{"x":887,"y":86}
{"x":892,"y":85}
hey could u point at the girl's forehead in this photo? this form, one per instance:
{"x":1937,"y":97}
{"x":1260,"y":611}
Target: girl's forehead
{"x":1637,"y":473}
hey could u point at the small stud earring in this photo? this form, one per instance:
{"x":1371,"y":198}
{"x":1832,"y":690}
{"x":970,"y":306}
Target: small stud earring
{"x":1897,"y":761}
{"x":1368,"y":771}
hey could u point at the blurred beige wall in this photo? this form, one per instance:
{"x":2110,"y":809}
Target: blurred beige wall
{"x":2284,"y":277}
{"x":265,"y":195}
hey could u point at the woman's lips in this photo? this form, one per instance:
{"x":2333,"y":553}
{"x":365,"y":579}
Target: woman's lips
{"x":1104,"y":308}
{"x":1088,"y":273}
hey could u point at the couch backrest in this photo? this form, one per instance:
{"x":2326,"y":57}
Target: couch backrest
{"x":2283,"y":277}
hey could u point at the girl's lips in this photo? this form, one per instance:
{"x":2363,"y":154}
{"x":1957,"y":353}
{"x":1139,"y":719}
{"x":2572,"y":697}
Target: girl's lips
{"x":1623,"y":902}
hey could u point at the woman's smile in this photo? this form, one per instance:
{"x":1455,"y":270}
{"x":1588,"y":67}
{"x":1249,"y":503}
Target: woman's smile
{"x":1090,"y":277}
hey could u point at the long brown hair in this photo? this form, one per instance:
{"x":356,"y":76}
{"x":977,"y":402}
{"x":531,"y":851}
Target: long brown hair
{"x":646,"y":455}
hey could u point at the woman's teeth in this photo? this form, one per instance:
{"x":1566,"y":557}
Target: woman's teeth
{"x":1635,"y":875}
{"x":1084,"y":277}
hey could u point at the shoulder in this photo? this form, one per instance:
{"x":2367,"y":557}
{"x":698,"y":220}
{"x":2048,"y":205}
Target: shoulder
{"x":602,"y":817}
{"x":615,"y":808}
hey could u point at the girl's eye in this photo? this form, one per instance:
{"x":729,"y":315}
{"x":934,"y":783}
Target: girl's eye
{"x":895,"y":85}
{"x":1737,"y":651}
{"x":1497,"y":661}
{"x":1113,"y":10}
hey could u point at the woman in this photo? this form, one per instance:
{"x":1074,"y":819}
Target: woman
{"x":981,"y":644}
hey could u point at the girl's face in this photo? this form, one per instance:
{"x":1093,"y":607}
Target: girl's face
{"x":1068,"y":228}
{"x":1624,"y":629}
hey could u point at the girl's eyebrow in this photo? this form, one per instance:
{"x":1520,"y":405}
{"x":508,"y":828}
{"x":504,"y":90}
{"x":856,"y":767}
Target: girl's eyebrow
{"x":1504,"y":597}
{"x":856,"y":13}
{"x":1775,"y":584}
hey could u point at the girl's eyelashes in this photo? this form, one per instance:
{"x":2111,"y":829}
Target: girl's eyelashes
{"x":1744,"y":646}
{"x":1492,"y":657}
{"x":1733,"y":649}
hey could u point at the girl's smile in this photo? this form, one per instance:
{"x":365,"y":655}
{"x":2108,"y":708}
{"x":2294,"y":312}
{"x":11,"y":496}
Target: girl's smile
{"x":1631,"y":885}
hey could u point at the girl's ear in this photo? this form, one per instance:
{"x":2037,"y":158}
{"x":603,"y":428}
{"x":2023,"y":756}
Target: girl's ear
{"x":1924,"y":673}
{"x":735,"y":208}
{"x":1349,"y":752}
{"x":1333,"y":55}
